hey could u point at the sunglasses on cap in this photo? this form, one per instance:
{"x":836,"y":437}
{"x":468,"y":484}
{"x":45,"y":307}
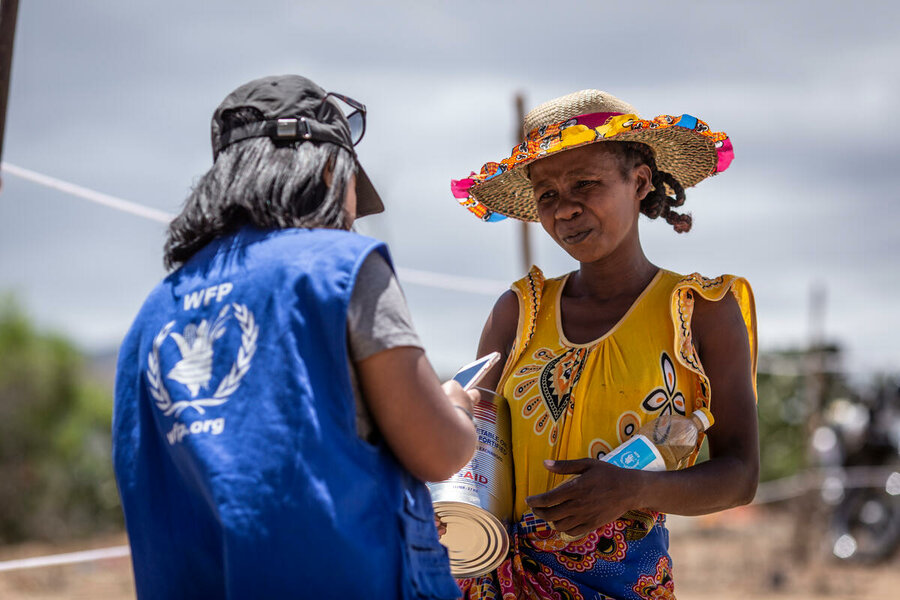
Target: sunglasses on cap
{"x":353,"y":111}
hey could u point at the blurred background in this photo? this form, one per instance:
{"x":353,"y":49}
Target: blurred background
{"x":116,"y":97}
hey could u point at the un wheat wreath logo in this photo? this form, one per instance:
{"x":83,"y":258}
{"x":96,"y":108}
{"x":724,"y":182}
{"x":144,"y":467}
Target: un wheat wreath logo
{"x":194,"y":370}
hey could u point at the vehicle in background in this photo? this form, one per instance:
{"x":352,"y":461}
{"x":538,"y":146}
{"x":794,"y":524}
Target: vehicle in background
{"x":858,"y":449}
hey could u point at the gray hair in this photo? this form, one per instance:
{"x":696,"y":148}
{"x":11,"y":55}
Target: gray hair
{"x":263,"y":183}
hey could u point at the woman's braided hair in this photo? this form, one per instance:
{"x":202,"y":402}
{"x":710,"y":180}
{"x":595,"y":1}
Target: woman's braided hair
{"x":656,"y":203}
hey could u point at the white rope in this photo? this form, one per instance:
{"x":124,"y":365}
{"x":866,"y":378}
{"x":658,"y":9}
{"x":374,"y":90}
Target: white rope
{"x":471,"y":285}
{"x":442,"y":281}
{"x":456,"y":283}
{"x":88,"y":194}
{"x":768,"y":492}
{"x":65,"y":559}
{"x":794,"y":486}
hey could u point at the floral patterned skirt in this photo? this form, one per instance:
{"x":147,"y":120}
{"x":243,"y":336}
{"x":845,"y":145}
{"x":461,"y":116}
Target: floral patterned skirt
{"x":627,"y":559}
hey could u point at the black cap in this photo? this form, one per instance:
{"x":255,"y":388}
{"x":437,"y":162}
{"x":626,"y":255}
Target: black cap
{"x":291,"y":106}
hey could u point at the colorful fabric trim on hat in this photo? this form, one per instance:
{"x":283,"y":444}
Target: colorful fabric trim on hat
{"x":460,"y":189}
{"x":578,"y":131}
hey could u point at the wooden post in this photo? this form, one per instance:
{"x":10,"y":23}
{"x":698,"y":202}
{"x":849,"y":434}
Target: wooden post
{"x":525,"y":232}
{"x":810,"y":515}
{"x":9,"y":10}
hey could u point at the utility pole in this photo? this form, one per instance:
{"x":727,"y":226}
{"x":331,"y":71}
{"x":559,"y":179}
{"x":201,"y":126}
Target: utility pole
{"x":525,"y":232}
{"x":9,"y":10}
{"x":814,"y":380}
{"x":810,"y":515}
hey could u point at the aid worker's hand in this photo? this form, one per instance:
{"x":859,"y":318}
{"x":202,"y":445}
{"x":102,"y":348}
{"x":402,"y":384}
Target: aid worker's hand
{"x":461,"y":399}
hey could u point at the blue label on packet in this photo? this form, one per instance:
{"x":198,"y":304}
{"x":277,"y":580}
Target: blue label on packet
{"x":636,"y":453}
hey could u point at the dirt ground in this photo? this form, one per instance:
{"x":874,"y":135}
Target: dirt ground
{"x":740,"y":554}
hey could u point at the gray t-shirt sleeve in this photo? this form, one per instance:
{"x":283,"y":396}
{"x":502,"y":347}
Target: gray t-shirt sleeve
{"x":378,"y":318}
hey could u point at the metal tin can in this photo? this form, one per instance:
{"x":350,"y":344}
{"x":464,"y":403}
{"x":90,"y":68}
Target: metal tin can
{"x":477,"y":502}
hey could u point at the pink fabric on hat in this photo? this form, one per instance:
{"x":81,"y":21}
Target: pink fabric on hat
{"x":726,"y":155}
{"x":593,"y":120}
{"x":460,"y":187}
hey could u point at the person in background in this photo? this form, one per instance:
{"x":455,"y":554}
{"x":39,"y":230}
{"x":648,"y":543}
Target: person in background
{"x":592,"y":355}
{"x":275,"y":414}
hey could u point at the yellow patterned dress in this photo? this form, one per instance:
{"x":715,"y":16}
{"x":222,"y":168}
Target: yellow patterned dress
{"x":571,"y":401}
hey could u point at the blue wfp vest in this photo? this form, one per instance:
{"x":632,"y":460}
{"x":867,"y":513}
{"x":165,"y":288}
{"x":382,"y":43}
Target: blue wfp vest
{"x":234,"y":435}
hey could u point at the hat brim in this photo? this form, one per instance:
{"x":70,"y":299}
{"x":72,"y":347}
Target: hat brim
{"x":690,"y":154}
{"x":368,"y":202}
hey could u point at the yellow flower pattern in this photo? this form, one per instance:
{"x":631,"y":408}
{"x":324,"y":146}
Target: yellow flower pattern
{"x":545,"y":388}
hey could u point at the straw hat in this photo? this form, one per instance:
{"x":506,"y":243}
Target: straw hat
{"x":683,"y":146}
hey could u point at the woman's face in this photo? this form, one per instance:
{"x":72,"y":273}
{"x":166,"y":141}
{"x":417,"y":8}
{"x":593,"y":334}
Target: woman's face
{"x":586,"y":205}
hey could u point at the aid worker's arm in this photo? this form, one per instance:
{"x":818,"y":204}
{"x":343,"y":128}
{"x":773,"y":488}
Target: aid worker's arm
{"x":426,"y":424}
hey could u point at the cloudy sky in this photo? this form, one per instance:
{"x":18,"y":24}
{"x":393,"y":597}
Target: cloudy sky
{"x":116,"y":96}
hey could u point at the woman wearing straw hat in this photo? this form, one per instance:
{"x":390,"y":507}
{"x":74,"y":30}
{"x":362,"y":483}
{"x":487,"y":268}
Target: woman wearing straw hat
{"x":592,"y":355}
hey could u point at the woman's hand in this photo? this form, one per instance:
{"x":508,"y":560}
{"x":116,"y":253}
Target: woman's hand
{"x":598,"y":494}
